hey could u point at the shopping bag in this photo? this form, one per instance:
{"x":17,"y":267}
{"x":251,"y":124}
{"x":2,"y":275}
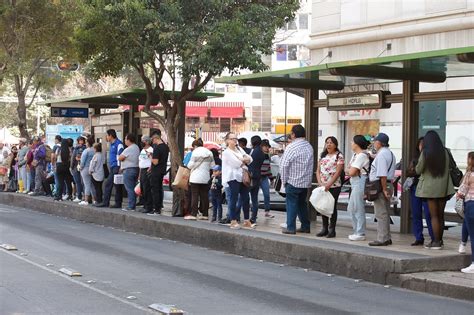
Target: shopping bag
{"x":138,"y":189}
{"x":118,"y":179}
{"x":322,"y":201}
{"x":459,"y":207}
{"x":279,"y":186}
{"x":182,"y":178}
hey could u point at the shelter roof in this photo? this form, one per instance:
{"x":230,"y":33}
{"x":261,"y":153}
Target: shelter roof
{"x":430,"y":66}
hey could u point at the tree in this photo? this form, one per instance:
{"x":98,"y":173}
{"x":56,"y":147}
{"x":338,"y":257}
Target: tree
{"x":34,"y":34}
{"x":186,"y":41}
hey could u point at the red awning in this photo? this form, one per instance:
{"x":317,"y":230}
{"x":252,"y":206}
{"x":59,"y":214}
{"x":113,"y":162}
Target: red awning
{"x":196,"y":111}
{"x":227,"y":112}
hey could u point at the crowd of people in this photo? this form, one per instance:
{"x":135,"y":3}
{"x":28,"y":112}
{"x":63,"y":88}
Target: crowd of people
{"x":80,"y":171}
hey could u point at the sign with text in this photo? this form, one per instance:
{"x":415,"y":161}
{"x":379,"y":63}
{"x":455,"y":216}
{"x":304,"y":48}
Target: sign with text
{"x":357,"y":101}
{"x":69,"y":112}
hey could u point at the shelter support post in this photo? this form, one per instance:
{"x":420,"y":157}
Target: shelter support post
{"x":311,"y":122}
{"x":410,"y":121}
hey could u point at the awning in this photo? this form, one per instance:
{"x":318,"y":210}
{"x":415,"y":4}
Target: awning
{"x":196,"y":111}
{"x":227,"y":112}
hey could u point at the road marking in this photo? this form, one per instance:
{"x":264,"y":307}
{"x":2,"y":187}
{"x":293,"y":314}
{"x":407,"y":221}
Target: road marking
{"x":85,"y":285}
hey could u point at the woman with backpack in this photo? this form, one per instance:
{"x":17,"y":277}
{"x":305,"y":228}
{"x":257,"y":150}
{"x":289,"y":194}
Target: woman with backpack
{"x":435,"y":183}
{"x":358,"y":169}
{"x":329,"y":171}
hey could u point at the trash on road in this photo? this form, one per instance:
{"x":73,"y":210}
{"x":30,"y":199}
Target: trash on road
{"x":166,"y":309}
{"x":70,"y":272}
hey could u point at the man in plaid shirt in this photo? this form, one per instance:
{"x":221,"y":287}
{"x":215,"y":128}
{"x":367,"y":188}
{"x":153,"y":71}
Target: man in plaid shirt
{"x":296,"y":171}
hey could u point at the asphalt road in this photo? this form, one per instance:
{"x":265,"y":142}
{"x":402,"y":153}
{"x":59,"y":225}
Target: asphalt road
{"x":123,"y":273}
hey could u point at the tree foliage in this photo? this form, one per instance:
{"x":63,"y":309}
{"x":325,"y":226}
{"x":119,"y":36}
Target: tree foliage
{"x":184,"y":42}
{"x":34,"y":34}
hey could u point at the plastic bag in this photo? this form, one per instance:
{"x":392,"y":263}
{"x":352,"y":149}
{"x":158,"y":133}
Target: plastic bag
{"x":322,"y":201}
{"x":138,"y":189}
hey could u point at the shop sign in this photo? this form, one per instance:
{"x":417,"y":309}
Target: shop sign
{"x":114,"y":119}
{"x":69,"y":112}
{"x":361,"y":114}
{"x":357,"y":101}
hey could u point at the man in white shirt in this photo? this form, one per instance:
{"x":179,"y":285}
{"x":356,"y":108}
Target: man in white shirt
{"x":383,"y":170}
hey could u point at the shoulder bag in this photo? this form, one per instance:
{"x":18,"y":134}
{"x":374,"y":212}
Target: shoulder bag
{"x":373,"y":189}
{"x":454,"y":172}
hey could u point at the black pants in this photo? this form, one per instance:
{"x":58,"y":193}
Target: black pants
{"x":199,"y":199}
{"x":47,"y":182}
{"x":332,"y":225}
{"x":64,"y":178}
{"x":145,"y":183}
{"x":98,"y":190}
{"x":156,"y":184}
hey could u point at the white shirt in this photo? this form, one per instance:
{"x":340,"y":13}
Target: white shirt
{"x":232,"y":165}
{"x":144,"y":159}
{"x":200,"y":165}
{"x":361,"y":162}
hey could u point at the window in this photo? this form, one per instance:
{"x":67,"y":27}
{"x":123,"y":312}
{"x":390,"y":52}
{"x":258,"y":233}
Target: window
{"x":303,"y":21}
{"x":225,"y":124}
{"x":256,"y":95}
{"x":303,"y":53}
{"x":292,"y":52}
{"x":242,"y":89}
{"x":292,"y":25}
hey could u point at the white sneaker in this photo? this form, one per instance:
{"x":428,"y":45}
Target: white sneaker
{"x":283,"y":225}
{"x":77,"y":200}
{"x":31,"y":193}
{"x":65,"y":197}
{"x":354,"y":237}
{"x":190,"y":217}
{"x":462,"y":248}
{"x":469,"y":269}
{"x":83,"y":203}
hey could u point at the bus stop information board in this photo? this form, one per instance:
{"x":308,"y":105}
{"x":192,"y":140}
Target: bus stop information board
{"x":69,"y":112}
{"x":357,"y":100}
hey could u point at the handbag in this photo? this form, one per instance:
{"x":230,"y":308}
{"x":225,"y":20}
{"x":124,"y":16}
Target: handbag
{"x":459,"y":207}
{"x":106,"y":170}
{"x":246,"y":178}
{"x":278,"y":186}
{"x":118,"y":179}
{"x":182,"y":178}
{"x":372,"y":189}
{"x":454,"y":172}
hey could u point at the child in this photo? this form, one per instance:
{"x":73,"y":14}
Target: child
{"x":216,"y":193}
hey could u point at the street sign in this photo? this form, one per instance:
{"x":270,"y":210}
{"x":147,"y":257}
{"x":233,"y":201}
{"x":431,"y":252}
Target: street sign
{"x":69,"y":112}
{"x":357,"y":100}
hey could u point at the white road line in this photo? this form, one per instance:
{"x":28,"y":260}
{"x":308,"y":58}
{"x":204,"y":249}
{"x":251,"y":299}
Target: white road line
{"x":85,"y":285}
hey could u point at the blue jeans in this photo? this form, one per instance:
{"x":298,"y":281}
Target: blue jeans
{"x":130,"y":176}
{"x":464,"y":232}
{"x":254,"y":197}
{"x":78,"y":181}
{"x":418,"y":206}
{"x":469,"y":220}
{"x":109,"y":184}
{"x":216,"y":199}
{"x":356,"y":204}
{"x":265,"y":186}
{"x":238,"y":189}
{"x":296,"y":205}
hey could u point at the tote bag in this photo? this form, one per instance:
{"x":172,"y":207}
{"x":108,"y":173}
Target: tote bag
{"x":182,"y":178}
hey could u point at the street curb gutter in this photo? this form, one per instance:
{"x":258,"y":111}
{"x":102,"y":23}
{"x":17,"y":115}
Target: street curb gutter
{"x":370,"y":264}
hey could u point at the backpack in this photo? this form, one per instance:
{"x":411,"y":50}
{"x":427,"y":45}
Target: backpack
{"x":48,"y":153}
{"x":373,"y":189}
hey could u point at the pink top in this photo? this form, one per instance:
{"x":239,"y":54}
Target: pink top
{"x":467,"y":186}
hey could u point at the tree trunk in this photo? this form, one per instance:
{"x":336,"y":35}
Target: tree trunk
{"x":21,"y":110}
{"x":176,"y":161}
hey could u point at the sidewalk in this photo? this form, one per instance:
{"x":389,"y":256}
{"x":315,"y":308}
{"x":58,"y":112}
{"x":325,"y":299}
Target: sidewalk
{"x":435,"y":272}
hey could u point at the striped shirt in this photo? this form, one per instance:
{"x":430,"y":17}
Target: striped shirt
{"x":266,"y":170}
{"x":297,"y":163}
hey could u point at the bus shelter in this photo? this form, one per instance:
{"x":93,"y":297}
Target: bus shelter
{"x":90,"y":106}
{"x":362,"y":84}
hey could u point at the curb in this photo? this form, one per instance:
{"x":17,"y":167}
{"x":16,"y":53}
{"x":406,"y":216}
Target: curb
{"x":370,"y":264}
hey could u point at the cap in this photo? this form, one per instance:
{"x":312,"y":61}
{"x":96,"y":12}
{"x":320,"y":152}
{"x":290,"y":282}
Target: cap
{"x":216,"y":168}
{"x":383,"y":138}
{"x":265,"y":142}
